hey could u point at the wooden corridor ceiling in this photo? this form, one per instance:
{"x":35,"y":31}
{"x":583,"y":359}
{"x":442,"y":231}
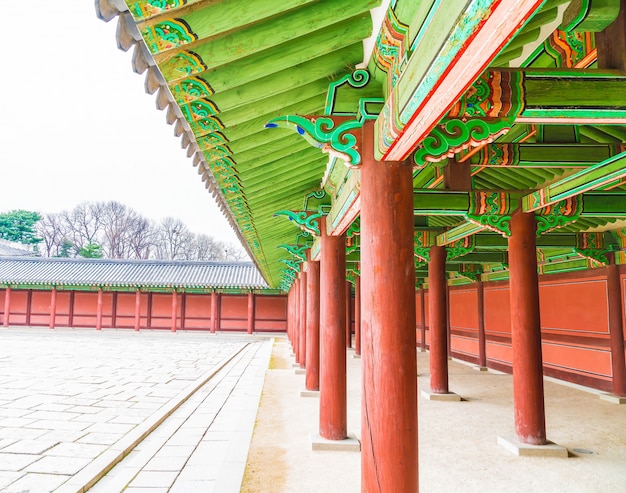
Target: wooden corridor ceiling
{"x":494,"y":116}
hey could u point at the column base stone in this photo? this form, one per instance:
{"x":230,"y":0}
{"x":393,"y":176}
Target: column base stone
{"x":450,"y":396}
{"x":356,"y":356}
{"x":300,"y":371}
{"x":309,"y":393}
{"x":349,"y":444}
{"x":480,"y":368}
{"x":614,"y":399}
{"x":520,"y":449}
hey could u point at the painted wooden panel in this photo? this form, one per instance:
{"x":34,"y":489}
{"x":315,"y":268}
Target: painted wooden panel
{"x":234,"y":313}
{"x":500,"y":352}
{"x":161,"y":317}
{"x":465,"y":345}
{"x":17,"y":310}
{"x":575,"y":306}
{"x":464,"y":308}
{"x":197,"y":312}
{"x":270,"y":313}
{"x":62,"y":318}
{"x":588,"y":360}
{"x":497,"y":310}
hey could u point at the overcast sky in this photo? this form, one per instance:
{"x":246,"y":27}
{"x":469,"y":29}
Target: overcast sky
{"x":76,"y":124}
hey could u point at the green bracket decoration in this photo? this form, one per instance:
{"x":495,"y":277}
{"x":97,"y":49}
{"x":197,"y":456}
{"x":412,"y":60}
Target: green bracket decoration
{"x":307,"y":221}
{"x":472,"y":272}
{"x":423,"y":239}
{"x":460,"y":248}
{"x":491,"y":210}
{"x":330,"y":135}
{"x":368,"y":108}
{"x":559,"y":214}
{"x":149,"y":8}
{"x":292,"y":264}
{"x":296,"y":250}
{"x":316,"y":194}
{"x":352,"y":244}
{"x":592,"y":245}
{"x":455,"y":135}
{"x":354,"y":229}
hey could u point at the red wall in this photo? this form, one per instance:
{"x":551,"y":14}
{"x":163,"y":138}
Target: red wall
{"x":574,"y":325}
{"x":193,"y":311}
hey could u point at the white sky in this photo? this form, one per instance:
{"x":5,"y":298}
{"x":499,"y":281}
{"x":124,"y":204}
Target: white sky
{"x":76,"y":124}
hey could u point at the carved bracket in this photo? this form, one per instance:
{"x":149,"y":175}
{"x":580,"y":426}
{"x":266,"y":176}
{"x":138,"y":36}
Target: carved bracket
{"x":333,"y":135}
{"x":307,"y":221}
{"x":559,"y":214}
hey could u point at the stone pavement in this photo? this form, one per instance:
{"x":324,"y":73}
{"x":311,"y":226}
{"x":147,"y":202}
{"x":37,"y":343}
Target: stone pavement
{"x":73,"y":403}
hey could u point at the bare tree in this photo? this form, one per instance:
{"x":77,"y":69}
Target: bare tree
{"x":142,"y":238}
{"x":174,"y":240}
{"x":84,"y":222}
{"x":52,"y":228}
{"x":117,"y":221}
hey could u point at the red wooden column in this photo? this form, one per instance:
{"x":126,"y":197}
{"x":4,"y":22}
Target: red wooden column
{"x":213,"y":312}
{"x":250,"y":312}
{"x":174,"y":310}
{"x":7,"y":306}
{"x":482,"y":341}
{"x":437,"y":288}
{"x":348,"y":316}
{"x":99,"y":310}
{"x":296,"y":319}
{"x":53,"y":307}
{"x":302,"y":319}
{"x":616,"y":329}
{"x":357,"y":316}
{"x":137,"y":309}
{"x":528,"y":402}
{"x":333,"y":398}
{"x":389,"y":369}
{"x":423,"y":319}
{"x":312,"y":377}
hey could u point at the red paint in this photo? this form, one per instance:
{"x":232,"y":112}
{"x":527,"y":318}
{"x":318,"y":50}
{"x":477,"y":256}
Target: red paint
{"x":53,"y":307}
{"x":389,"y":449}
{"x":250,"y":326}
{"x":357,"y":316}
{"x":312,"y":377}
{"x":437,"y":291}
{"x":174,"y":310}
{"x":213,"y":312}
{"x":302,"y":318}
{"x":480,"y":303}
{"x":528,"y":399}
{"x":99,"y":311}
{"x":333,"y":400}
{"x":137,"y":310}
{"x":616,"y":329}
{"x":296,"y":319}
{"x":7,"y":306}
{"x":348,"y":315}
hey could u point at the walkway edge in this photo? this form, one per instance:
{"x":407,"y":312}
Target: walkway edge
{"x":92,"y":473}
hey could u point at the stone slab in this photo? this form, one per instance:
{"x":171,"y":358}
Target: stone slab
{"x":450,"y":396}
{"x":350,"y":444}
{"x":309,"y":393}
{"x":300,"y":371}
{"x":614,"y":399}
{"x":356,"y":356}
{"x":551,"y":449}
{"x":480,"y":368}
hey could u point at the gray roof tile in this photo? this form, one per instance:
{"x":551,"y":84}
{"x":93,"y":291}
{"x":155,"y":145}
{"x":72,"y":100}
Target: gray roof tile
{"x":130,"y":273}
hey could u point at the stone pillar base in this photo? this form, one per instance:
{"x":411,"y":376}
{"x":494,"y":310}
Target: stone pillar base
{"x":309,"y":393}
{"x":350,"y":444}
{"x":614,"y":399}
{"x":551,"y":449}
{"x":450,"y":396}
{"x":480,"y":368}
{"x":300,"y":371}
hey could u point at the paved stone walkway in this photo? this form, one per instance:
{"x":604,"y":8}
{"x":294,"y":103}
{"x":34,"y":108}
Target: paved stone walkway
{"x":74,"y":402}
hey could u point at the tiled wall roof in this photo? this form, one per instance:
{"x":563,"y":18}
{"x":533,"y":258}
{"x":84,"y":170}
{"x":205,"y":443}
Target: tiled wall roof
{"x":130,"y":273}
